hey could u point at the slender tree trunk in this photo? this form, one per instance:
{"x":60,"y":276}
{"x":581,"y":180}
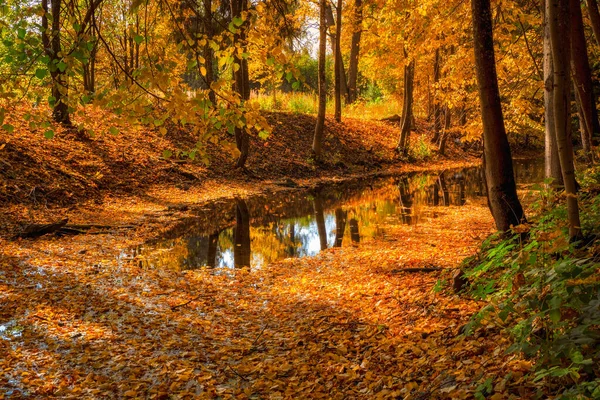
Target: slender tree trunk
{"x":407,"y":112}
{"x":333,"y":37}
{"x":320,"y":127}
{"x":242,"y":79}
{"x":446,"y":132}
{"x":354,"y":52}
{"x":437,"y":114}
{"x":53,"y":49}
{"x":339,"y":69}
{"x":502,"y":191}
{"x":582,"y":75}
{"x":592,"y":6}
{"x":558,"y":18}
{"x":208,"y":51}
{"x":552,"y":163}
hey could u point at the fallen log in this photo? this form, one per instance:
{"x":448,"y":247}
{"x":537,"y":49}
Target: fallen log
{"x":37,"y":230}
{"x":417,"y":269}
{"x":393,"y":118}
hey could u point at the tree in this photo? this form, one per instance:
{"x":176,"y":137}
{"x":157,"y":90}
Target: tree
{"x":239,"y":9}
{"x":592,"y":6}
{"x":407,"y":111}
{"x":338,"y":66}
{"x":437,"y":111}
{"x":552,"y":164}
{"x":320,"y":126}
{"x":582,"y":76}
{"x":501,"y":188}
{"x":558,"y":20}
{"x":355,"y":51}
{"x":51,"y":40}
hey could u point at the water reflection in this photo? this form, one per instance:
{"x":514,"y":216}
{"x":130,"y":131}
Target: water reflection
{"x":257,"y":231}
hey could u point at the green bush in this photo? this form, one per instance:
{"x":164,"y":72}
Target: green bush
{"x":545,"y":291}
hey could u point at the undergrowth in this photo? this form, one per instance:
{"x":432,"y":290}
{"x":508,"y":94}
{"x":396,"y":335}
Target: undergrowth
{"x":545,"y":292}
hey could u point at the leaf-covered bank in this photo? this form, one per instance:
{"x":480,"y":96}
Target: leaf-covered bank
{"x":544,"y":292}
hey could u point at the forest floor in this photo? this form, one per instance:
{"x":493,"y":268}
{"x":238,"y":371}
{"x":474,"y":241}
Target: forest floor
{"x":77,"y":321}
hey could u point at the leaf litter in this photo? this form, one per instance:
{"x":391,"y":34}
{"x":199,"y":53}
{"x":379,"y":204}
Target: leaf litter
{"x":343,"y":324}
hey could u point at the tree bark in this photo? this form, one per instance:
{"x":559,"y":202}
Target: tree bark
{"x":502,"y":191}
{"x":333,"y":37}
{"x":53,"y":49}
{"x":437,"y":114}
{"x":354,"y":52}
{"x":242,"y":79}
{"x":445,"y":133}
{"x":592,"y":6}
{"x":558,"y":19}
{"x":320,"y":126}
{"x":582,"y":75}
{"x":407,"y":112}
{"x":551,"y":161}
{"x":339,"y":69}
{"x":208,"y":51}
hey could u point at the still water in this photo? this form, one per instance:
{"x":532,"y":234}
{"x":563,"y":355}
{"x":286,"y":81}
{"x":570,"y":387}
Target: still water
{"x":256,"y":231}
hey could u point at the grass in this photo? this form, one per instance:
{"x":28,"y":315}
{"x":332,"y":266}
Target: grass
{"x":305,"y":103}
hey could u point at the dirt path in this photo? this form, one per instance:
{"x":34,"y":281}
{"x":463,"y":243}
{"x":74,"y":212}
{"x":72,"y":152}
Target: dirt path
{"x":80,"y":322}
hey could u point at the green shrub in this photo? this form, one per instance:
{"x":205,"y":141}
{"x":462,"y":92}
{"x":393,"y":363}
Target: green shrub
{"x":545,"y":291}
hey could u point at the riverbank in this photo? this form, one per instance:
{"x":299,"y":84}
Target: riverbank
{"x":105,"y":177}
{"x":81,"y":321}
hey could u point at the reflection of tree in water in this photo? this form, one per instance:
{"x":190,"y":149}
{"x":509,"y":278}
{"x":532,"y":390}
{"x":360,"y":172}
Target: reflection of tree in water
{"x":354,"y":233}
{"x":320,"y":219}
{"x":241,"y":234}
{"x":301,"y":224}
{"x":406,"y":201}
{"x":340,"y":226}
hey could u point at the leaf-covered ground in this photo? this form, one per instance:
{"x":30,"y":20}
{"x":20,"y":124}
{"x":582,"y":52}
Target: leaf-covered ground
{"x":80,"y":322}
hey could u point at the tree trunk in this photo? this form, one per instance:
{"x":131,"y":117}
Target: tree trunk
{"x":592,"y":7}
{"x":242,"y":80}
{"x":407,"y":112}
{"x":320,"y":127}
{"x":582,"y":75}
{"x":53,"y":49}
{"x":333,"y":36}
{"x":208,"y":51}
{"x":558,"y":19}
{"x":437,"y":114}
{"x":445,"y":133}
{"x":354,"y":52}
{"x":502,"y":191}
{"x":339,"y":69}
{"x":241,"y":248}
{"x":551,"y":161}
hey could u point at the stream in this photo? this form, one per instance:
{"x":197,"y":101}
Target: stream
{"x":300,"y":223}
